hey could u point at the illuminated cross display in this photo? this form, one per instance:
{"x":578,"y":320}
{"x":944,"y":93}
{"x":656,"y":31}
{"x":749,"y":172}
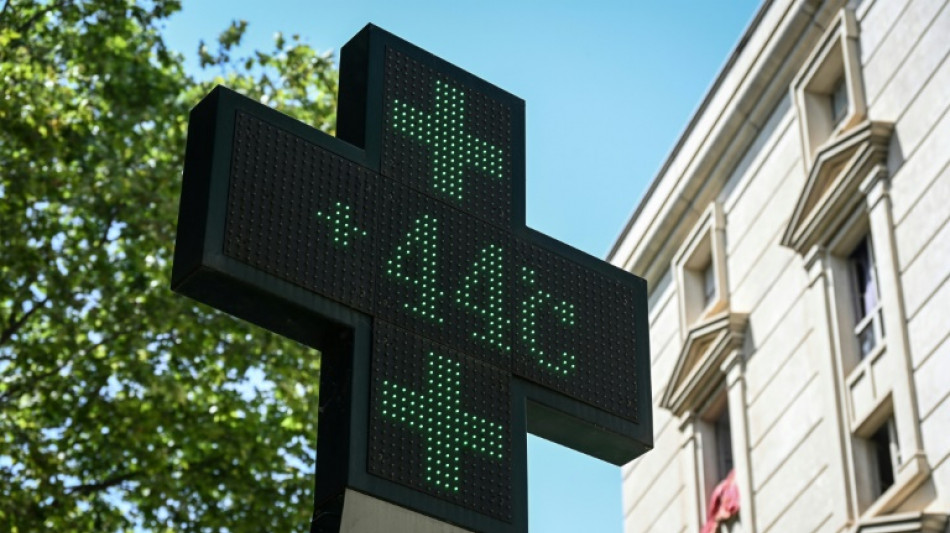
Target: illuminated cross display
{"x":447,"y":328}
{"x":438,"y":414}
{"x":453,"y":149}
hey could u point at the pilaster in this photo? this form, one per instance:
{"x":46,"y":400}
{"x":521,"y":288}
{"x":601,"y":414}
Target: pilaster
{"x":831,"y":375}
{"x":734,"y":370}
{"x":691,"y":457}
{"x":876,"y":189}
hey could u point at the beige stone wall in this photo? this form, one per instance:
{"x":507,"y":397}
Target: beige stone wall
{"x":908,"y":79}
{"x":799,"y":472}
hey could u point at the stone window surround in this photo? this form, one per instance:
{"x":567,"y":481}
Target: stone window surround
{"x":696,"y":431}
{"x":835,"y":57}
{"x":828,"y":261}
{"x":710,"y":370}
{"x":846,"y":197}
{"x":703,"y":248}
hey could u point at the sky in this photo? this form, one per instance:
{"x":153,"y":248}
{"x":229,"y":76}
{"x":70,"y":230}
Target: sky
{"x":609,"y":87}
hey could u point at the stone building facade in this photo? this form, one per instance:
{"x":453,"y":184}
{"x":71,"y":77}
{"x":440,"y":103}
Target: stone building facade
{"x":797,"y":248}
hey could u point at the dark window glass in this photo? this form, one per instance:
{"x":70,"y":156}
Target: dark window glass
{"x":883,"y":462}
{"x":862,"y":269}
{"x":723,"y":444}
{"x":709,"y":283}
{"x":839,"y":101}
{"x":868,"y":329}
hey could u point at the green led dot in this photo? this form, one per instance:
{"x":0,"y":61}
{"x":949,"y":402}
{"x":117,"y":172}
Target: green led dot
{"x":443,"y":455}
{"x":343,"y":226}
{"x":419,"y":242}
{"x":450,"y":142}
{"x":563,"y":313}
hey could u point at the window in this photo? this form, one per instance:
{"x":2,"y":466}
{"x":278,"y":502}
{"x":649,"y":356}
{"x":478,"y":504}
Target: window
{"x":839,"y":101}
{"x":878,"y":457}
{"x":869,"y":329}
{"x":699,"y":266}
{"x":828,"y":91}
{"x":872,"y":367}
{"x":706,"y":380}
{"x":721,"y":496}
{"x":884,"y":449}
{"x":723,"y":433}
{"x":709,"y":284}
{"x":715,"y":433}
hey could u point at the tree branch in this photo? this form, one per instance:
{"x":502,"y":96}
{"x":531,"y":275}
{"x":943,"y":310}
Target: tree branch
{"x":3,"y":11}
{"x":40,"y":13}
{"x":14,"y":324}
{"x":24,"y":289}
{"x":107,"y":483}
{"x":15,"y":389}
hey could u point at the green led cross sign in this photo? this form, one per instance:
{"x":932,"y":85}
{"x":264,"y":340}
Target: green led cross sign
{"x":447,"y":328}
{"x":438,"y":414}
{"x":453,"y":148}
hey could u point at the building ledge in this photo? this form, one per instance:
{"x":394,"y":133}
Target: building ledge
{"x":917,"y":522}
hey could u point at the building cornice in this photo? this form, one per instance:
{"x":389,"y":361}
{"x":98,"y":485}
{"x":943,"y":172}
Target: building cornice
{"x":751,"y":84}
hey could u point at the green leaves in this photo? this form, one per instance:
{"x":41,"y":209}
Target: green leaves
{"x":124,"y":407}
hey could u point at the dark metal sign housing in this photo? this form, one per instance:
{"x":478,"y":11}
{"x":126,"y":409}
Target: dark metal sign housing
{"x":448,"y":329}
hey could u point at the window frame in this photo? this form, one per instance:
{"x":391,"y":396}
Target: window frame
{"x":702,"y":251}
{"x":836,"y":59}
{"x":710,"y":469}
{"x":872,"y":318}
{"x":845,"y":198}
{"x":870,"y":220}
{"x":870,"y":488}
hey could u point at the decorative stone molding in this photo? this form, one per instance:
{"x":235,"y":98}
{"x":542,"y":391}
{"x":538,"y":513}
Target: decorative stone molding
{"x":698,"y":371}
{"x":832,"y":190}
{"x":833,"y":64}
{"x":904,"y":523}
{"x":703,"y":249}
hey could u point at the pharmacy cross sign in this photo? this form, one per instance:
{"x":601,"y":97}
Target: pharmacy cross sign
{"x":447,"y":328}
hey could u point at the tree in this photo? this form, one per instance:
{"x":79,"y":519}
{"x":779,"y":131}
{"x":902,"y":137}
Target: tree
{"x":123,"y":406}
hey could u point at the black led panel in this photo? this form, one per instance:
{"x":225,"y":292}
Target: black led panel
{"x":446,"y":140}
{"x":443,"y":274}
{"x":440,"y":422}
{"x":564,"y":327}
{"x":447,"y":328}
{"x":301,"y":213}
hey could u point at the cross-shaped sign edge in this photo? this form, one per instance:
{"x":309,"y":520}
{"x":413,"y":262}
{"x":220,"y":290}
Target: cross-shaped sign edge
{"x":343,"y":335}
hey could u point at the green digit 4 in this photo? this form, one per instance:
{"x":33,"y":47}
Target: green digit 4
{"x":420,"y":244}
{"x":483,"y":293}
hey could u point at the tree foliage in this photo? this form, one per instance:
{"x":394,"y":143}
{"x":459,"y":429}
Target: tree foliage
{"x":123,"y":406}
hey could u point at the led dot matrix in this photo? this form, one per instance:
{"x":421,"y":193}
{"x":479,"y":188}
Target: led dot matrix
{"x":437,"y":413}
{"x":421,"y":244}
{"x":530,"y":309}
{"x":483,"y":292}
{"x":453,"y":148}
{"x":341,"y":220}
{"x":399,"y":250}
